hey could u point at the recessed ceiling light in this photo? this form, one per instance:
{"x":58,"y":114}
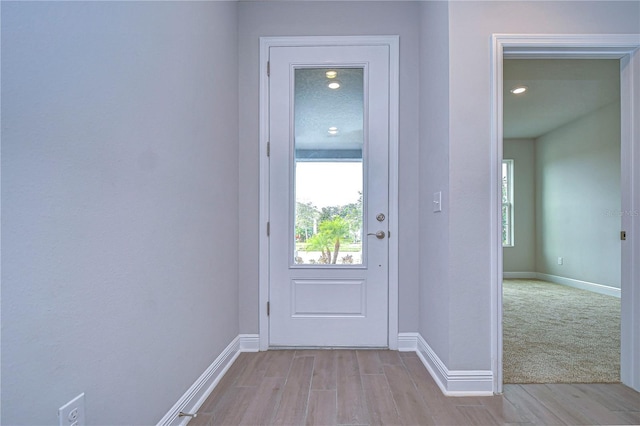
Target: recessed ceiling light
{"x":333,"y":84}
{"x":333,"y":130}
{"x":331,"y":74}
{"x":519,"y":89}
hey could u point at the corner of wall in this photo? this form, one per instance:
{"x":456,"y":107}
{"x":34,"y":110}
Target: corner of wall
{"x":200,"y":390}
{"x":450,"y":382}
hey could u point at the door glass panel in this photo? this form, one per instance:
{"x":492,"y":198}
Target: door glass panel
{"x":328,"y":166}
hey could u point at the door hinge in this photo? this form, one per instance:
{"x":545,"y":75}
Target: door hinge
{"x":268,"y":228}
{"x":268,"y":308}
{"x":268,"y":149}
{"x":623,"y":235}
{"x":268,"y":68}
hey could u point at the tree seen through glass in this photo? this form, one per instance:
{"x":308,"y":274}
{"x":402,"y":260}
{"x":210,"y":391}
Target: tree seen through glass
{"x":329,"y":235}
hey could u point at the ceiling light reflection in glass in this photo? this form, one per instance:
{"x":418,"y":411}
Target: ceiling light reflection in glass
{"x":317,"y":109}
{"x":517,"y":90}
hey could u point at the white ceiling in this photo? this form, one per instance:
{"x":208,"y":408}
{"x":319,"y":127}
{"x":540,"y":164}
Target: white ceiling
{"x":560,"y":91}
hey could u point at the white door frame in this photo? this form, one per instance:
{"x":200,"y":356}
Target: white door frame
{"x":625,"y":47}
{"x":393,"y":43}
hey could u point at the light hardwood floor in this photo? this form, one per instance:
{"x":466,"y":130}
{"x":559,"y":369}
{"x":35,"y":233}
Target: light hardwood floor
{"x":377,"y":387}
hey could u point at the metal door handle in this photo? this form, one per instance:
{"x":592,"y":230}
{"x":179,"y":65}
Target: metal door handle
{"x":379,"y":235}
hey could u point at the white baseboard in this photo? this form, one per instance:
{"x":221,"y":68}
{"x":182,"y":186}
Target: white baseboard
{"x":198,"y":393}
{"x":450,"y":382}
{"x":408,"y":342}
{"x":455,"y":382}
{"x":195,"y":396}
{"x":519,"y":275}
{"x":582,"y":285}
{"x":249,"y":342}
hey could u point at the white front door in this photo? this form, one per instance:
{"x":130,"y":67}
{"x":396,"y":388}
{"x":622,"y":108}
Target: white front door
{"x":329,"y":196}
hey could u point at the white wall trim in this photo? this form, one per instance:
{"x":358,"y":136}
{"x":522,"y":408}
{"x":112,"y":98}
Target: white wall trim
{"x":197,"y":393}
{"x":630,"y":282}
{"x":454,"y":382}
{"x":567,"y":46}
{"x":408,"y":342}
{"x":520,"y":275}
{"x":393,"y":41}
{"x":582,"y":285}
{"x":561,"y":46}
{"x":570,"y":282}
{"x":249,"y":342}
{"x":263,"y":240}
{"x":450,"y":382}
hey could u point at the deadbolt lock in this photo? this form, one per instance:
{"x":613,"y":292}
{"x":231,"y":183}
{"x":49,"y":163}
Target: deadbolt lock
{"x":381,"y":217}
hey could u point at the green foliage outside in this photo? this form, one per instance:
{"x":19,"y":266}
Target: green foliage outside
{"x":328,"y":229}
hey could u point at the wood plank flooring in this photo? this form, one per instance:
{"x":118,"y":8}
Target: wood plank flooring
{"x":378,"y":387}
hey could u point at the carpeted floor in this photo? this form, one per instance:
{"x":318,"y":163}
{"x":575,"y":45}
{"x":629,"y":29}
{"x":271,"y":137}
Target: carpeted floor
{"x":558,"y":334}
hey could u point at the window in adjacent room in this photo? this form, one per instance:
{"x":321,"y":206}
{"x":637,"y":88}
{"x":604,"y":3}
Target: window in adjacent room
{"x":507,"y":203}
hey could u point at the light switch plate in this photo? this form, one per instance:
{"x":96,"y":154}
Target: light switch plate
{"x":437,"y":201}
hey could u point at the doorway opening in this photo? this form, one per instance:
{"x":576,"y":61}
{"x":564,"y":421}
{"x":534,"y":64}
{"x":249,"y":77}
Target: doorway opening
{"x":623,"y":49}
{"x":561,"y":221}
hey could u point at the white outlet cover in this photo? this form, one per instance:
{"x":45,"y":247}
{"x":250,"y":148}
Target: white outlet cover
{"x":72,"y":413}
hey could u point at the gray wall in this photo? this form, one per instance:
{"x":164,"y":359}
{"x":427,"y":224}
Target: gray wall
{"x":434,"y":176}
{"x":258,"y":19}
{"x":567,"y":200}
{"x":463,"y":305}
{"x":522,"y":256}
{"x":119,"y":204}
{"x":578,"y":199}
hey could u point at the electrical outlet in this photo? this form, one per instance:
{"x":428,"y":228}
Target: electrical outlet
{"x":72,"y":413}
{"x":560,"y":261}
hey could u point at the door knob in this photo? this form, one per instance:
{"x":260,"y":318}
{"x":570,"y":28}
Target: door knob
{"x":379,"y":235}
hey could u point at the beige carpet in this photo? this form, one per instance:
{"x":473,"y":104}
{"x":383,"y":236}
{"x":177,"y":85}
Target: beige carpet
{"x":557,"y":334}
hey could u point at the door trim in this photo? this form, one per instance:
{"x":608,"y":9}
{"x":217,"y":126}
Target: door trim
{"x":567,"y":46}
{"x":393,"y":42}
